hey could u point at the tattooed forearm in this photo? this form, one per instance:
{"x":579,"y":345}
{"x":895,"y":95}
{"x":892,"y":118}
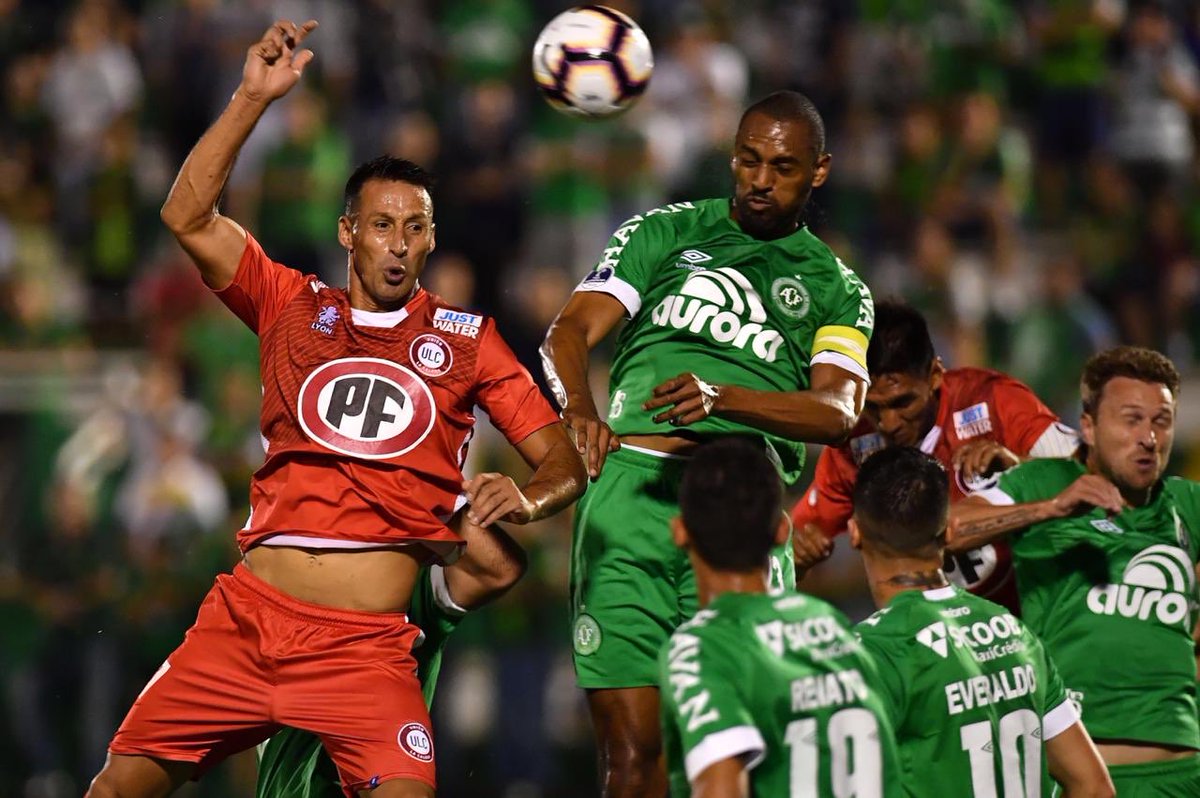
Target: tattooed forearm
{"x":979,"y":524}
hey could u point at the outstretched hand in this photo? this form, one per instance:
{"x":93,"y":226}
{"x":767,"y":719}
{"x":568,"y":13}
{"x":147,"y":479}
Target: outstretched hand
{"x":273,"y":64}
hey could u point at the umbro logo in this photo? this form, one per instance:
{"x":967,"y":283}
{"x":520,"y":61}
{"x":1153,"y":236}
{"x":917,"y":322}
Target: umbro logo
{"x":691,"y":259}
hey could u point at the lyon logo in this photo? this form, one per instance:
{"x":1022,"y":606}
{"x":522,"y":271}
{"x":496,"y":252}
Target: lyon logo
{"x":416,"y":742}
{"x":365,"y":407}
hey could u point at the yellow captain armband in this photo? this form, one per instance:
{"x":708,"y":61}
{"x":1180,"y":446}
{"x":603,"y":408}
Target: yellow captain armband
{"x":841,"y":346}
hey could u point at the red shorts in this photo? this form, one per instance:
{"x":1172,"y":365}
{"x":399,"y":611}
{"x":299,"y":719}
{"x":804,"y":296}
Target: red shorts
{"x":257,"y":659}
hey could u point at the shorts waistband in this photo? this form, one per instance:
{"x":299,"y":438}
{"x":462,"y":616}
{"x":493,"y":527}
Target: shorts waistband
{"x":1169,"y":767}
{"x":245,"y":579}
{"x":640,"y":457}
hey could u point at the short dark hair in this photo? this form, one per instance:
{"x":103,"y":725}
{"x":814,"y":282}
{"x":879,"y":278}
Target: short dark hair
{"x":730,"y":500}
{"x":791,"y":106}
{"x":902,"y":501}
{"x":384,"y":167}
{"x":1134,"y":362}
{"x":900,"y":343}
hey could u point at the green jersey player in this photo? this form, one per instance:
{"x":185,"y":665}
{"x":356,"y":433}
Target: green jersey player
{"x":762,"y":694}
{"x":292,"y":764}
{"x":1105,"y":551}
{"x":740,"y":322}
{"x":968,"y":686}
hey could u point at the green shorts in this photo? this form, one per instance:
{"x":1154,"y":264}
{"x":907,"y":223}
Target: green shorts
{"x":631,"y":587}
{"x":293,"y":764}
{"x":1173,"y":779}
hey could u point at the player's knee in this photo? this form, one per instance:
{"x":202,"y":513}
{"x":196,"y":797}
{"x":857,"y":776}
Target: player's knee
{"x":109,"y":785}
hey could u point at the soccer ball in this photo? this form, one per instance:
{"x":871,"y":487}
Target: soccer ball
{"x":592,"y":61}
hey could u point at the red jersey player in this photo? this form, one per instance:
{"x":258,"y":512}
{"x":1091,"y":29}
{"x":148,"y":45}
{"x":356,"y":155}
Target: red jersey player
{"x":976,"y":422}
{"x":368,"y":395}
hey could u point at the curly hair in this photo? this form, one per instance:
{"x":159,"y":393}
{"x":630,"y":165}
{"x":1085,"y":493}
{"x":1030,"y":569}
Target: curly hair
{"x":1134,"y":362}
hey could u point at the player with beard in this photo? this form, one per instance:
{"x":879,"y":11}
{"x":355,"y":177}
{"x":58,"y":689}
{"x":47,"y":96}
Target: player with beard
{"x":975,"y":422}
{"x":369,"y":394}
{"x":1105,"y":550}
{"x":741,"y":321}
{"x":979,"y":708}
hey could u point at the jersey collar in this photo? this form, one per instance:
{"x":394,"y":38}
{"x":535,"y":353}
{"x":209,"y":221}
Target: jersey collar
{"x":388,"y":318}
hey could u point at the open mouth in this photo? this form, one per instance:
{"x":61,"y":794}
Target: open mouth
{"x":394,"y":275}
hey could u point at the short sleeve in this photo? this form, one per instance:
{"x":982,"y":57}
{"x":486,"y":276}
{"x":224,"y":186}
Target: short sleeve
{"x":827,"y":502}
{"x":506,"y":390}
{"x":1023,"y":417}
{"x":628,"y":261}
{"x":1186,"y":495}
{"x":261,"y":288}
{"x":702,"y":705}
{"x":845,"y":328}
{"x":1058,"y":712}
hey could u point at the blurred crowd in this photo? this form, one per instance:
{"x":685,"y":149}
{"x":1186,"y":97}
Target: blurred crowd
{"x":1024,"y":172}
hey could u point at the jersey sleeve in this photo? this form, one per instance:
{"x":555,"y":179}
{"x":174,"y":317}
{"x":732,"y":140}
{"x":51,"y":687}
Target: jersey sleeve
{"x":701,"y":704}
{"x":625,"y":268}
{"x":506,"y":390}
{"x":1024,"y":419}
{"x":845,"y":329}
{"x":827,"y":502}
{"x":1015,"y":486}
{"x":1058,"y":711}
{"x":261,"y":288}
{"x":1186,"y":494}
{"x":433,"y":612}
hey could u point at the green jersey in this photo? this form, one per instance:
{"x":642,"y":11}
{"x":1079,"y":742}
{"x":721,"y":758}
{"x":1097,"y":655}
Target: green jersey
{"x":705,"y":297}
{"x":781,"y":682}
{"x":292,"y":764}
{"x":1113,"y":599}
{"x":971,"y":691}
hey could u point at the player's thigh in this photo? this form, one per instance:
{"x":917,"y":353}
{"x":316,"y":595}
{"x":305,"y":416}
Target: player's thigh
{"x":626,"y":721}
{"x":293,"y":764}
{"x":126,"y":776}
{"x":353,"y":683}
{"x":625,"y":572}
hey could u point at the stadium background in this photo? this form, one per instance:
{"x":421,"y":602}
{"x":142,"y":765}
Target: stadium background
{"x":1023,"y":172}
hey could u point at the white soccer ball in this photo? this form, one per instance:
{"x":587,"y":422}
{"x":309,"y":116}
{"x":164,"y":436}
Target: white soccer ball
{"x":592,"y":61}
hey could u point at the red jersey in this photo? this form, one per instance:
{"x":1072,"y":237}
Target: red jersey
{"x":973,"y":404}
{"x":366,"y":428}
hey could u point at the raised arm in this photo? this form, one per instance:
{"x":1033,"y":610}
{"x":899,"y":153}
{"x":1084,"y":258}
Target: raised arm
{"x":214,"y":242}
{"x":587,"y":319}
{"x":984,"y":517}
{"x":825,"y":413}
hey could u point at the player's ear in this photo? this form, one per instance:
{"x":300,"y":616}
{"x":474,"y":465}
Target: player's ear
{"x":855,"y":534}
{"x":1087,"y":429}
{"x":821,"y":172}
{"x":950,"y":533}
{"x":784,"y":529}
{"x":346,"y":233}
{"x":937,"y":370}
{"x":679,"y":532}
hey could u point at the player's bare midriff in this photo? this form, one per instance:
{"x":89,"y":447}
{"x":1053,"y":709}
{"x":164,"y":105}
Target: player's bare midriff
{"x":371,"y":580}
{"x":1131,"y":753}
{"x":667,"y":444}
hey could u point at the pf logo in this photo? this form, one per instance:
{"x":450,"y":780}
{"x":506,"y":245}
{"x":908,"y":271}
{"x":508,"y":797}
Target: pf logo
{"x":366,"y":407}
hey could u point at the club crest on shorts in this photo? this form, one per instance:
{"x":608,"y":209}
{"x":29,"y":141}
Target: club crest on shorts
{"x":587,"y":635}
{"x":415,"y":741}
{"x":430,"y":355}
